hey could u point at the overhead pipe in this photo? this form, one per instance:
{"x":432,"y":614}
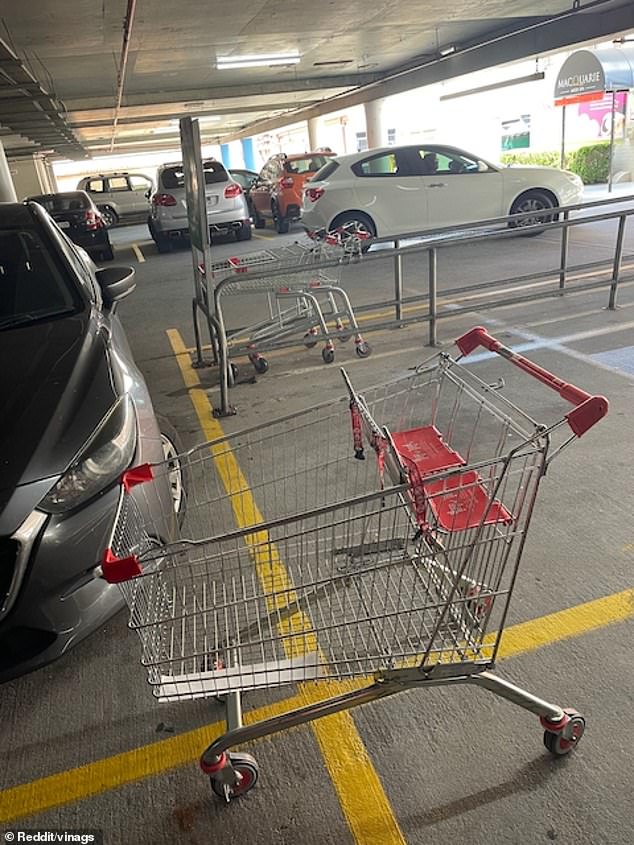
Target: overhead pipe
{"x":123,"y":64}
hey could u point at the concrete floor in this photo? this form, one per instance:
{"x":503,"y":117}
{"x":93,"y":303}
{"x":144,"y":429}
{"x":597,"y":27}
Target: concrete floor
{"x":456,"y":765}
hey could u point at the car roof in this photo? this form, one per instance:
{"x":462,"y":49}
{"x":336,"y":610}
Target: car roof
{"x":36,"y":197}
{"x":294,"y":156}
{"x":17,"y":213}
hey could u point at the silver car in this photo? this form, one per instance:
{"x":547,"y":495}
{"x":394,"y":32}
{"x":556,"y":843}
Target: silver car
{"x":227,"y":209}
{"x":76,"y":415}
{"x":119,"y":196}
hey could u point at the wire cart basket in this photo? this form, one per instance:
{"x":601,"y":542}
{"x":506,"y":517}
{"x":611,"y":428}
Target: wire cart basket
{"x":371,"y":542}
{"x":306,"y":303}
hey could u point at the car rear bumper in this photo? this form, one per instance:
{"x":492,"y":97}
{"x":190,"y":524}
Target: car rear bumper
{"x":91,"y":241}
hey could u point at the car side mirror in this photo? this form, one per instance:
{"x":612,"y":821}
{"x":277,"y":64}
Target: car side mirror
{"x":115,"y":283}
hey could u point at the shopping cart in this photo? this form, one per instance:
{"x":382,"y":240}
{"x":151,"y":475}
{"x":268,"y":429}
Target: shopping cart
{"x":312,"y":554}
{"x":305,"y":299}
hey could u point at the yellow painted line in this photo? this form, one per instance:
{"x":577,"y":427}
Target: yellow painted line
{"x":158,"y":757}
{"x":363,"y":800}
{"x":137,"y":251}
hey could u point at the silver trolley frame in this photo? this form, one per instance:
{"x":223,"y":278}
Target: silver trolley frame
{"x":378,"y":560}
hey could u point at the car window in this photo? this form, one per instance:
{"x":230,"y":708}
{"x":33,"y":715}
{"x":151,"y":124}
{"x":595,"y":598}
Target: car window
{"x":245,"y":180}
{"x":31,"y":284}
{"x":118,"y":183}
{"x":95,"y":186}
{"x":326,"y":171}
{"x":446,"y":162}
{"x":140,"y":183}
{"x":378,"y":165}
{"x":53,"y":203}
{"x":174,"y":177}
{"x":305,"y":165}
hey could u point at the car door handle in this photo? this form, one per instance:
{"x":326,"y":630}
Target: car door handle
{"x":437,"y":185}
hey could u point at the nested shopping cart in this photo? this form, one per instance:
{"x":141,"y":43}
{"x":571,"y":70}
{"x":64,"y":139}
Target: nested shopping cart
{"x":304,"y":297}
{"x":372,"y":543}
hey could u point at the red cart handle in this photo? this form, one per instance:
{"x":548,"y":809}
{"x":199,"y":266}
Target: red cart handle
{"x":589,"y":409}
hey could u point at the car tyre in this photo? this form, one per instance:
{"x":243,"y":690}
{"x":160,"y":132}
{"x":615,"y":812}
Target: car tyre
{"x":282,"y":223}
{"x":107,"y":254}
{"x":244,"y":232}
{"x":180,"y":476}
{"x":359,"y":219}
{"x":536,"y":201}
{"x":110,"y":216}
{"x":258,"y":222}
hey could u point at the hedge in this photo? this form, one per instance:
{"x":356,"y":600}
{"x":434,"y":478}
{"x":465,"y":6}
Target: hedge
{"x":591,"y":162}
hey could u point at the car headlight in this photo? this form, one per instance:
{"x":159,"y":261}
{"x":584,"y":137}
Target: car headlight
{"x":107,"y":454}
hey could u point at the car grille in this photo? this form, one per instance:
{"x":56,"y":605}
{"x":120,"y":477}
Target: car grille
{"x":8,"y":558}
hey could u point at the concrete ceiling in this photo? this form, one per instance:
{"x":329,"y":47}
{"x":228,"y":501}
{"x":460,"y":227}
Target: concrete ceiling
{"x":351,"y":51}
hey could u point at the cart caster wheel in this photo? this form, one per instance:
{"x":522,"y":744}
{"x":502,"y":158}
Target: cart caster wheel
{"x":245,"y":766}
{"x":328,"y":355}
{"x":344,"y":338}
{"x":566,"y":740}
{"x":233,"y":374}
{"x":309,"y":341}
{"x":261,"y":365}
{"x":364,"y":349}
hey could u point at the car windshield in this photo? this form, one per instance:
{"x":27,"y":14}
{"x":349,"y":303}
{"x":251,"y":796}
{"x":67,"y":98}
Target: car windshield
{"x":174,"y":177}
{"x":305,"y":165}
{"x":72,"y":201}
{"x":32,"y":287}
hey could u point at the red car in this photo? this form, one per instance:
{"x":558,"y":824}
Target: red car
{"x":276,"y":194}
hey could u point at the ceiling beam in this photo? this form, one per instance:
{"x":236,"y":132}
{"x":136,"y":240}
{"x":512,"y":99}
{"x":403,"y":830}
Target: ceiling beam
{"x":569,"y":28}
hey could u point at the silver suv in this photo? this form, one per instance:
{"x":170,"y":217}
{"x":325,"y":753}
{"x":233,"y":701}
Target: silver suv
{"x":227,"y":209}
{"x":119,"y":195}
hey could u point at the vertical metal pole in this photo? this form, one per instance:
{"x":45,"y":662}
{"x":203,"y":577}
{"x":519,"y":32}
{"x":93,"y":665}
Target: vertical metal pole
{"x":616,"y":267}
{"x":198,"y":363}
{"x":562,"y":158}
{"x":611,"y":142}
{"x":433,"y":294}
{"x":233,"y":701}
{"x":563,"y":264}
{"x":398,"y":283}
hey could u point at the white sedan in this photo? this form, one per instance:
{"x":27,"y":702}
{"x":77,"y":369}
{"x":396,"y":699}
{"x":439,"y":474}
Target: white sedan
{"x":398,"y":190}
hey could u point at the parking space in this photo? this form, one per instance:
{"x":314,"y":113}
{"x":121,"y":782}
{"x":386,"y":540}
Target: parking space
{"x":428,"y":766}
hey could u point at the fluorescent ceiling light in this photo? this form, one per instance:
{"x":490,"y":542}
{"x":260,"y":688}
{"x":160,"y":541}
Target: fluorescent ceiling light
{"x":262,"y":60}
{"x":447,"y":51}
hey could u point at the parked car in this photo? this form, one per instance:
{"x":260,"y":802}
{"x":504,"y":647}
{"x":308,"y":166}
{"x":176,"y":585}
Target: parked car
{"x":81,"y":220}
{"x":227,"y":209}
{"x":119,"y":196}
{"x":246,"y":179}
{"x":277,"y":193}
{"x":76,"y":413}
{"x":398,"y":190}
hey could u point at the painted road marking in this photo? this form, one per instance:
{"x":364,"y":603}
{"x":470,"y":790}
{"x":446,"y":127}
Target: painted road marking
{"x":558,"y":344}
{"x":158,"y":757}
{"x":361,"y":795}
{"x":139,"y":255}
{"x":621,"y":359}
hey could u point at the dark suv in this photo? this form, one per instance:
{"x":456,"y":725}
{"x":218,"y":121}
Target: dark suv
{"x":81,"y":220}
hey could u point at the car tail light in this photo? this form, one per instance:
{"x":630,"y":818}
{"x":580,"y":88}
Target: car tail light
{"x":163,"y":199}
{"x":232,"y":190}
{"x":93,"y":220}
{"x":313,"y":194}
{"x":286,"y":182}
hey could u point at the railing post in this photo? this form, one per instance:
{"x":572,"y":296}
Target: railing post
{"x":616,"y":267}
{"x":398,"y":283}
{"x":433,"y":296}
{"x":563,"y":265}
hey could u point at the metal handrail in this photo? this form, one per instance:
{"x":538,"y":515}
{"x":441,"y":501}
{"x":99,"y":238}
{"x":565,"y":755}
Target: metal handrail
{"x":430,"y":241}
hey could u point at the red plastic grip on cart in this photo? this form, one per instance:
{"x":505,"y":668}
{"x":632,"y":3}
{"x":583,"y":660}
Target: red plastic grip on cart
{"x":590,"y":409}
{"x":136,"y":475}
{"x":118,"y":569}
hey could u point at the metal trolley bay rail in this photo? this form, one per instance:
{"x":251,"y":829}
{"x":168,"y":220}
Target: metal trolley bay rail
{"x":370,"y":544}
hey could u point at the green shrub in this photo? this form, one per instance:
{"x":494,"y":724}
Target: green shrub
{"x":550,"y":158}
{"x":592,"y":163}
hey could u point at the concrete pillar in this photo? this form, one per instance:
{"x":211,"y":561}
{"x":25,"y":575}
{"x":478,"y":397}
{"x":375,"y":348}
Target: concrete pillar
{"x":313,"y":124}
{"x":7,"y":191}
{"x":248,"y":153}
{"x":225,"y":155}
{"x":374,"y":129}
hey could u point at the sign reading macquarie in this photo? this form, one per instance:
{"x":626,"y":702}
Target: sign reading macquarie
{"x":581,"y":73}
